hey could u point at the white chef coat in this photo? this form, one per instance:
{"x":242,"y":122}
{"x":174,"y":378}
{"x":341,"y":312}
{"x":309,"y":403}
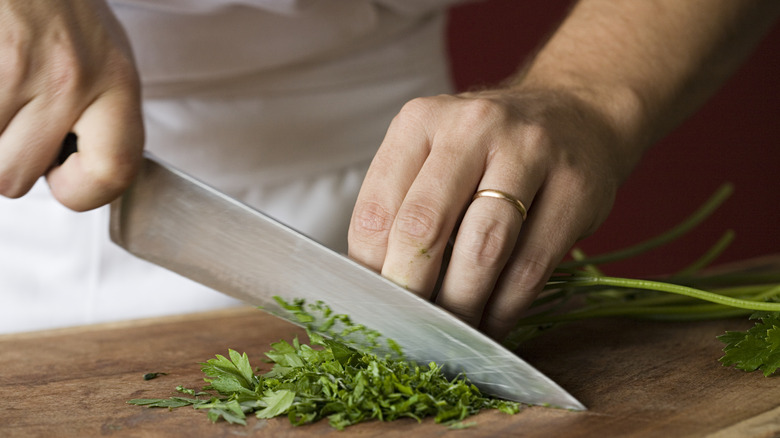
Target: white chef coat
{"x":279,"y":103}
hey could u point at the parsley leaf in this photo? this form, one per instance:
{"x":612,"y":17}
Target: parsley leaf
{"x":756,"y":348}
{"x":277,"y":403}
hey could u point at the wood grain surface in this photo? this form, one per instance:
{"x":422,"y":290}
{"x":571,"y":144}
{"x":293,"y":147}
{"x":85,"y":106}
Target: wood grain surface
{"x":644,"y":379}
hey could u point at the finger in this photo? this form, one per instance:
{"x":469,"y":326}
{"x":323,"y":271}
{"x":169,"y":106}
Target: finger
{"x":12,"y":96}
{"x":548,"y":234}
{"x":487,"y":237}
{"x":30,"y":141}
{"x":110,"y":135}
{"x":431,"y":208}
{"x":392,"y":171}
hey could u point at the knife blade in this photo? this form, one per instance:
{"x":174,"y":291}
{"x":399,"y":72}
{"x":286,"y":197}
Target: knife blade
{"x":175,"y":221}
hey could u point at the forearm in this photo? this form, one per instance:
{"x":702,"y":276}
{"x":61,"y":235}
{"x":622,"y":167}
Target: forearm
{"x":647,"y":65}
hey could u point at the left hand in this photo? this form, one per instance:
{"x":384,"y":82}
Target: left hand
{"x":550,"y":150}
{"x":67,"y":66}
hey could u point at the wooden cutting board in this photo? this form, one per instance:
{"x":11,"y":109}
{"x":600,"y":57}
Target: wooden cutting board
{"x":642,"y":379}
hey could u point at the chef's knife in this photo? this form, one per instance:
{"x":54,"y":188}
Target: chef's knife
{"x":179,"y":223}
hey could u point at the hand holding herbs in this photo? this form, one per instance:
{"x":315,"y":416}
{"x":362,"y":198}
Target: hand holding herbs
{"x":579,"y":290}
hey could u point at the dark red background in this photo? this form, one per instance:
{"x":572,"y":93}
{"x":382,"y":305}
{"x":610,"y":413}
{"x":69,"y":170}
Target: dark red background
{"x":735,"y":137}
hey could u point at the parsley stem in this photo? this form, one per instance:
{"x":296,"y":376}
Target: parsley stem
{"x":691,"y":222}
{"x":751,"y":293}
{"x":585,"y":281}
{"x":680,"y":313}
{"x":710,"y":255}
{"x":726,"y":279}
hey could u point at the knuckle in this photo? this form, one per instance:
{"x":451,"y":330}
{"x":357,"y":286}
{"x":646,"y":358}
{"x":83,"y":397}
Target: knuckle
{"x":419,"y":109}
{"x":465,"y":311}
{"x":416,"y":106}
{"x":371,"y":223}
{"x":122,"y":70}
{"x":477,"y":112}
{"x":484,"y":247}
{"x":505,"y":319}
{"x":589,"y":199}
{"x":530,"y":273}
{"x":65,"y":70}
{"x":538,"y":137}
{"x":68,"y":71}
{"x":418,"y":224}
{"x":536,"y":145}
{"x":482,"y":107}
{"x":14,"y":67}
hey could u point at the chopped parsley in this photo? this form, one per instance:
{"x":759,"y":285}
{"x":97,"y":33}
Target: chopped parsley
{"x":330,"y":379}
{"x":150,"y":376}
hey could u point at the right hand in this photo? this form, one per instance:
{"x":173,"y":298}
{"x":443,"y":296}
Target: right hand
{"x":552,"y":149}
{"x":66,"y":66}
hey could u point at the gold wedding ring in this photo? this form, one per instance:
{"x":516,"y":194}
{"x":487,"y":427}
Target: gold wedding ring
{"x":498,"y":194}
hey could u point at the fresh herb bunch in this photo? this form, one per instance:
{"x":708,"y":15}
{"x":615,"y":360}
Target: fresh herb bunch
{"x":334,"y":381}
{"x":580,"y":290}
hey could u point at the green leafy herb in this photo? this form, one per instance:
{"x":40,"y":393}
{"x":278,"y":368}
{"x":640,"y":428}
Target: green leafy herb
{"x":336,"y":382}
{"x":150,"y":376}
{"x":757,"y":348}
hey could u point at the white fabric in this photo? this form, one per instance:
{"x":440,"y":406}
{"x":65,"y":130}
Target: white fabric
{"x":285,"y":117}
{"x":217,"y":46}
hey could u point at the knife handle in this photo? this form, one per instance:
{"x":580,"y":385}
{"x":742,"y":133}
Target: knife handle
{"x":69,"y":146}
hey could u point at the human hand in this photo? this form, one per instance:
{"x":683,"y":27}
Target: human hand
{"x":66,"y":66}
{"x":562,"y":158}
